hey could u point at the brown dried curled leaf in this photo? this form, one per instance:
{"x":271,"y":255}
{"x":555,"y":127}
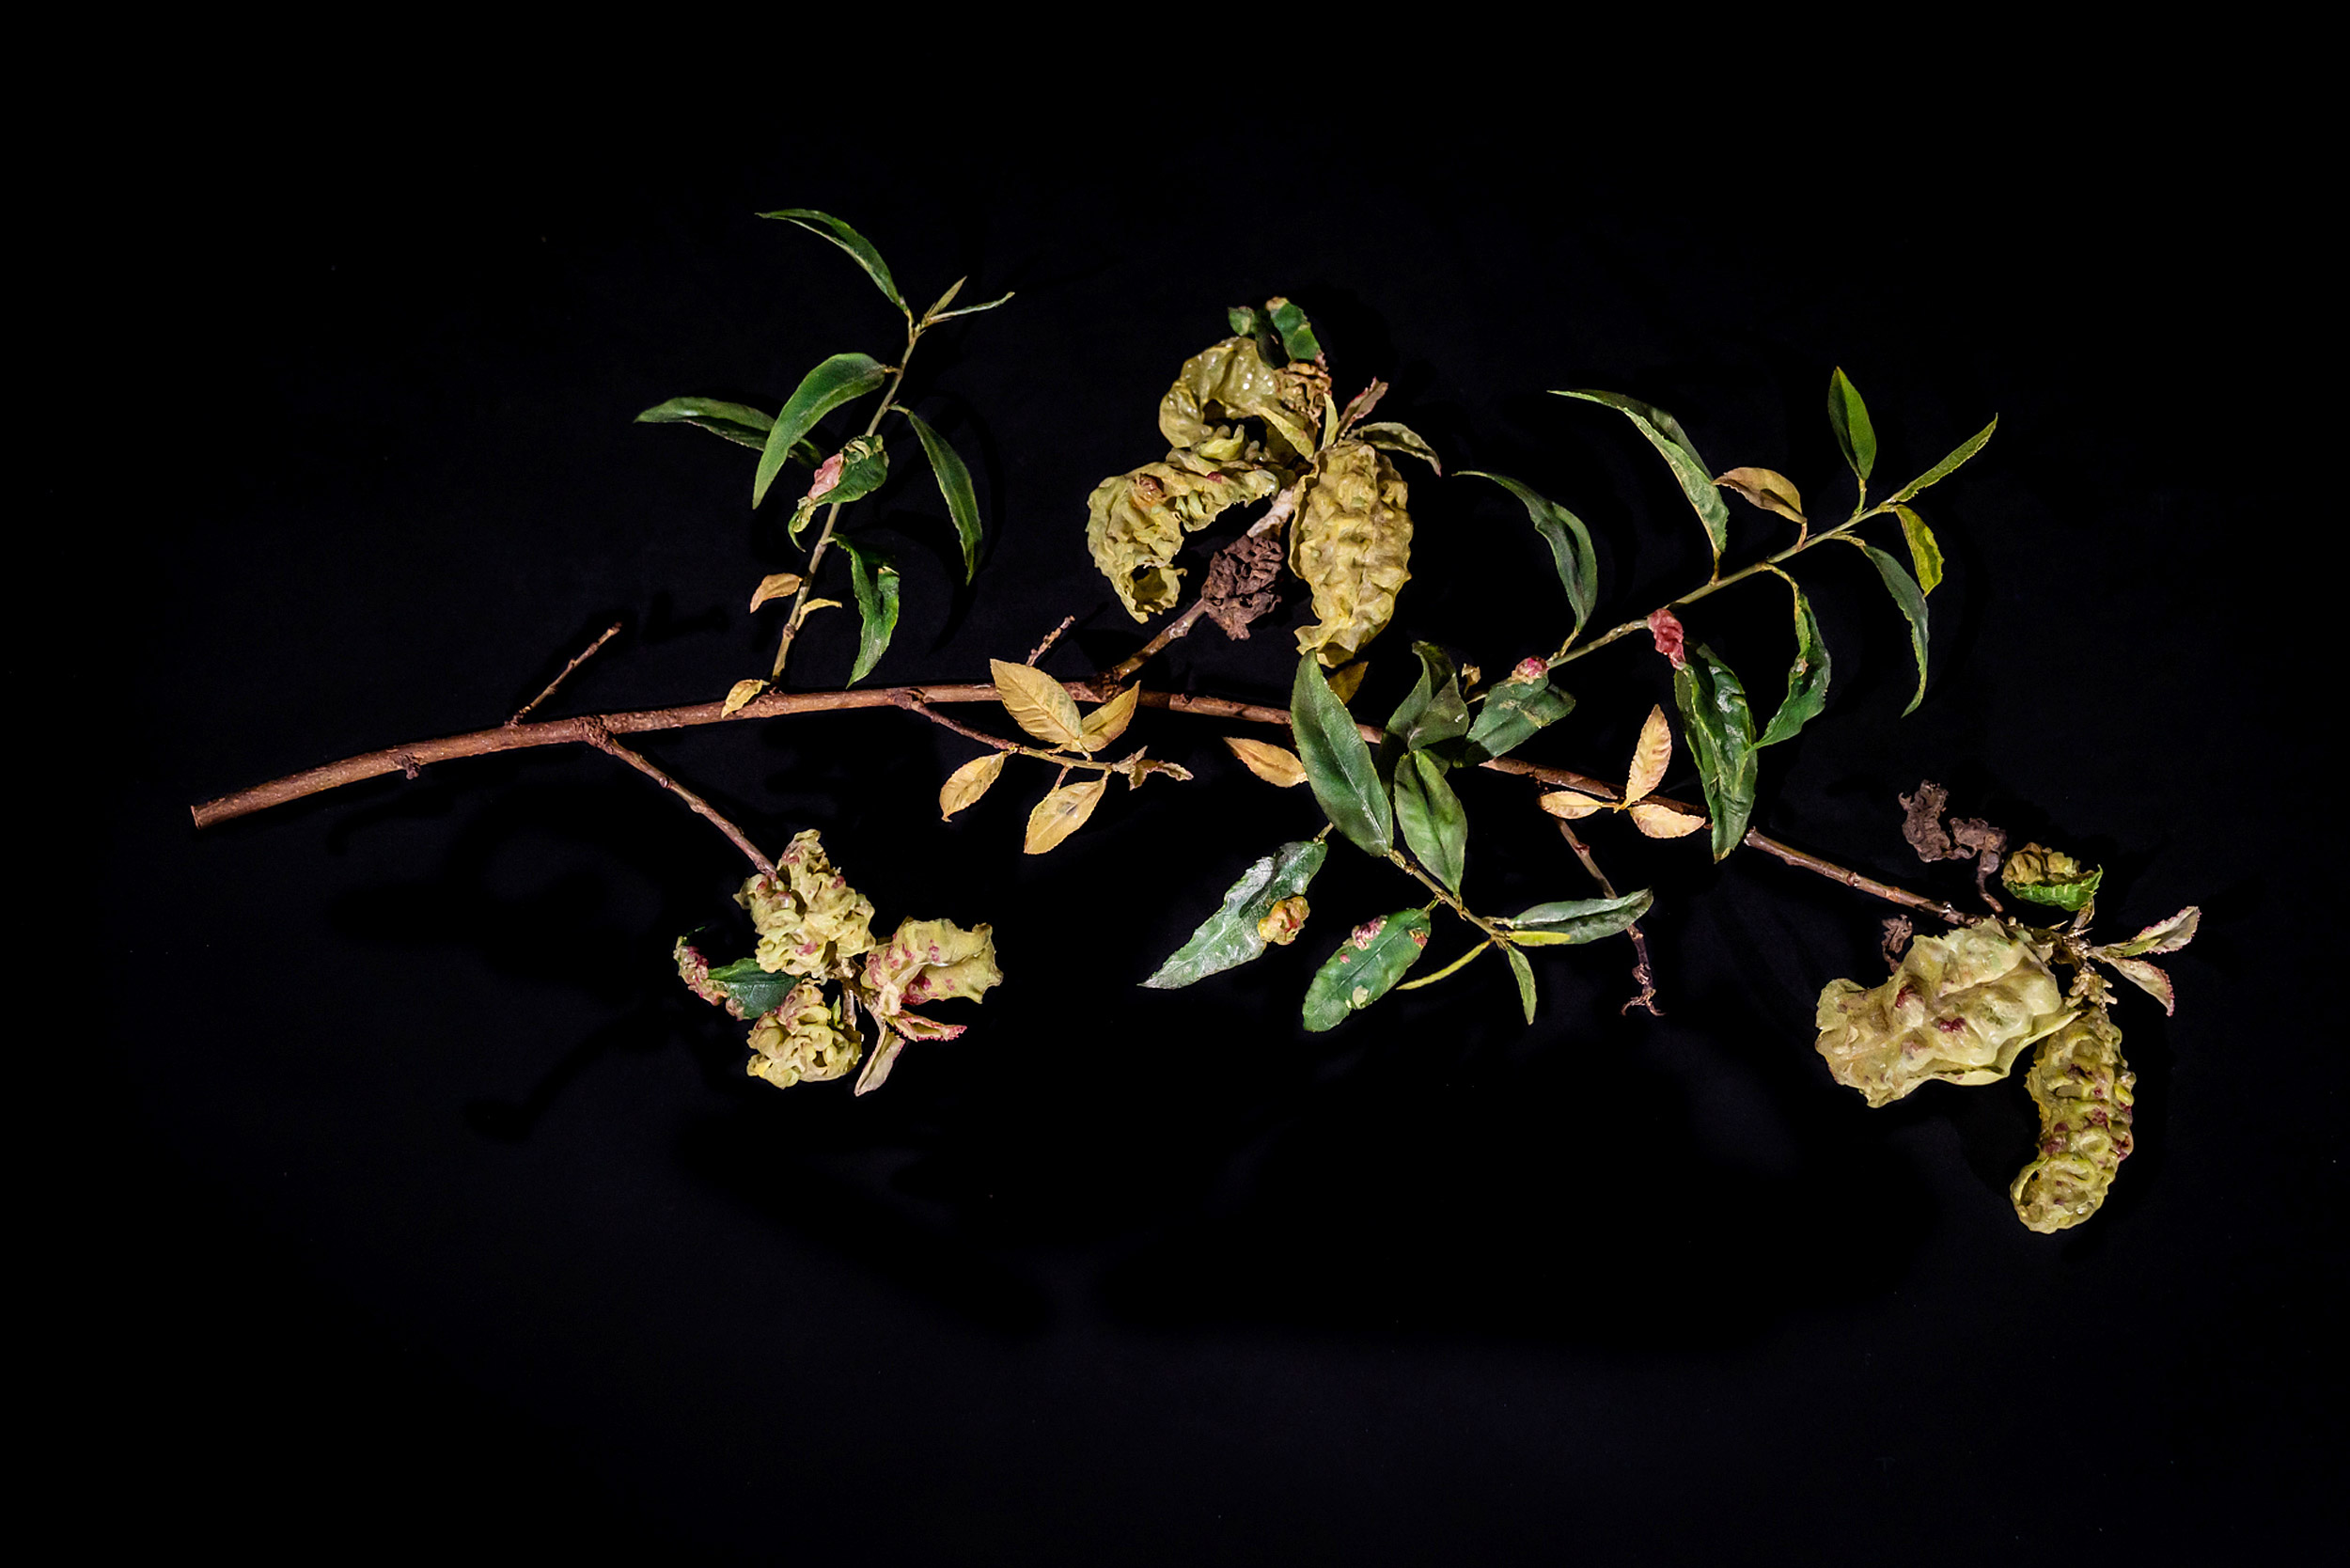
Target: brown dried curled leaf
{"x":1135,"y":522}
{"x":1038,"y":703}
{"x":968,"y":783}
{"x":1229,"y":381}
{"x":1139,"y":765}
{"x":1239,"y":588}
{"x":1275,"y":766}
{"x":1352,"y":543}
{"x":775,"y":585}
{"x":1921,"y":823}
{"x":1770,"y":491}
{"x":1062,"y":812}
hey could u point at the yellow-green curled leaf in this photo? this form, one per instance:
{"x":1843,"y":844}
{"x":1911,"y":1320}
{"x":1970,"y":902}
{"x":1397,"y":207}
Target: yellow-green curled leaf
{"x":1925,"y":552}
{"x":740,"y":694}
{"x":1373,"y":957}
{"x":2039,"y":875}
{"x":775,"y":585}
{"x":1234,"y":934}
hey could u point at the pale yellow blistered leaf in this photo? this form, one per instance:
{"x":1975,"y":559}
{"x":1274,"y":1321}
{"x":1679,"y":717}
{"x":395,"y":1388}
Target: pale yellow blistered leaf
{"x":1771,"y":492}
{"x":742,"y":692}
{"x":1061,"y":813}
{"x":969,"y":782}
{"x":1663,"y":822}
{"x":774,"y":586}
{"x":1346,"y":682}
{"x":1650,"y":757}
{"x":1108,"y":722}
{"x":1038,"y":703}
{"x":1273,"y":764}
{"x":1572,"y":803}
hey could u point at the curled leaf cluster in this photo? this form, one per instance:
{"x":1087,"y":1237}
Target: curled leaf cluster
{"x":1960,"y":1009}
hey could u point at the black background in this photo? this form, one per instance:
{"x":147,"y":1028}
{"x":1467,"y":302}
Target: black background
{"x":435,"y":1213}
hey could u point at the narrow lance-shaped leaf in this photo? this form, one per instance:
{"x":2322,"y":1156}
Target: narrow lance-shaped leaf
{"x":1434,"y":827}
{"x":2163,"y":936}
{"x":954,"y":486}
{"x":1435,"y":711}
{"x":1448,"y":970}
{"x":1577,"y":920}
{"x":1925,"y":551}
{"x":876,"y":581}
{"x":1680,"y":453}
{"x":1950,"y":464}
{"x":939,"y":312}
{"x":1765,"y":488}
{"x":1368,"y":963}
{"x":1569,"y":543}
{"x":1391,"y":436}
{"x":1229,"y":937}
{"x":1720,"y":730}
{"x":836,"y":381}
{"x":1910,"y":600}
{"x":848,"y":239}
{"x":2148,"y":978}
{"x":1524,"y":972}
{"x":739,"y":423}
{"x":1807,"y":678}
{"x":851,"y":473}
{"x":1511,"y":712}
{"x":1848,"y":416}
{"x":1337,"y":765}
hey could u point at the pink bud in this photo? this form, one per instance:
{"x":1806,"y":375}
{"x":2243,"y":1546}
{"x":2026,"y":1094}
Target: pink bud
{"x":1529,"y":669}
{"x":1666,"y":628}
{"x":827,"y":475}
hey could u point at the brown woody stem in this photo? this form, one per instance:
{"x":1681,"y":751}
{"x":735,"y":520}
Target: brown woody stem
{"x":564,"y":673}
{"x":600,"y":738}
{"x":1642,"y":975}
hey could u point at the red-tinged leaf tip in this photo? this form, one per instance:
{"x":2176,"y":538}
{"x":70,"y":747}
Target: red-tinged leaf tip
{"x":1666,"y":628}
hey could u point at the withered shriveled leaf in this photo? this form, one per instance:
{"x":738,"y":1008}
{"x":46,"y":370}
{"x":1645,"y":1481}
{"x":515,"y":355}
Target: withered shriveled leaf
{"x":1235,"y":933}
{"x":1240,"y":588}
{"x":775,"y":585}
{"x":885,"y":1056}
{"x":1921,"y":823}
{"x":1229,"y":381}
{"x":1135,"y":522}
{"x":1650,"y":756}
{"x":2163,"y":936}
{"x":1038,"y":703}
{"x":2147,"y":978}
{"x":1351,"y":545}
{"x":1062,"y":812}
{"x":1108,"y":722}
{"x":1663,"y":822}
{"x":1772,"y":492}
{"x":2051,"y":877}
{"x":740,"y":693}
{"x":968,"y":783}
{"x":1273,"y":764}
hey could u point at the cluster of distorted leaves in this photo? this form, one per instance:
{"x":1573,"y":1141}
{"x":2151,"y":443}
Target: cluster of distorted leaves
{"x":818,"y":975}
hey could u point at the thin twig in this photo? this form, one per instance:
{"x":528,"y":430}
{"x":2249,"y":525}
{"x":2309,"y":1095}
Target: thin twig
{"x":1643,"y":973}
{"x":912,"y":702}
{"x":582,"y":657}
{"x":1276,"y":515}
{"x":1834,"y":873}
{"x":1051,"y":637}
{"x":599,"y":737}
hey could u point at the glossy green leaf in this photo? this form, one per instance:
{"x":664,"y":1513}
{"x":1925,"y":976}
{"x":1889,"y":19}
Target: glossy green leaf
{"x":1250,"y":322}
{"x":1950,"y":464}
{"x":1297,"y":333}
{"x":1807,"y":678}
{"x":1719,"y":729}
{"x":1228,"y":938}
{"x":876,"y":581}
{"x":1391,"y":436}
{"x":2051,"y":877}
{"x":1925,"y":552}
{"x":1525,"y":974}
{"x":1435,"y":829}
{"x":954,"y":486}
{"x":836,"y":381}
{"x":1435,"y":712}
{"x":1368,"y":963}
{"x":1338,"y":764}
{"x":1510,"y":714}
{"x":1569,"y":543}
{"x":752,"y":989}
{"x":1577,"y":920}
{"x":864,"y":467}
{"x":848,"y":239}
{"x":1848,"y":416}
{"x":1911,"y":603}
{"x":739,"y":423}
{"x":1680,"y":453}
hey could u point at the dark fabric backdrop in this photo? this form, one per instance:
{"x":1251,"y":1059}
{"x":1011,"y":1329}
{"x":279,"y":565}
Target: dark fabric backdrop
{"x":436,"y":1214}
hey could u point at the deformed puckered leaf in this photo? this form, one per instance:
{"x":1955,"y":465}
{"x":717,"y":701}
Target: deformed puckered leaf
{"x":1274,"y":764}
{"x":1108,"y":722}
{"x":1569,"y":543}
{"x":1351,"y":543}
{"x":853,"y":473}
{"x":954,"y":487}
{"x":1651,"y":755}
{"x":1250,"y":322}
{"x":1925,"y":552}
{"x":1231,"y":381}
{"x":1038,"y":703}
{"x":968,"y":783}
{"x":1571,"y":805}
{"x":1390,"y":436}
{"x":1772,"y":492}
{"x":848,"y":239}
{"x":1848,"y":416}
{"x":1297,"y":333}
{"x":1911,"y":602}
{"x":1577,"y":920}
{"x":1720,"y":730}
{"x":2163,"y":936}
{"x":1524,"y":975}
{"x":2050,"y":877}
{"x":1435,"y":711}
{"x":1062,"y":812}
{"x":753,"y":991}
{"x":1338,"y":764}
{"x":1657,"y":821}
{"x":1511,"y":712}
{"x":1807,"y":678}
{"x":1680,"y":453}
{"x":1135,"y":522}
{"x":1435,"y":829}
{"x":2147,"y":978}
{"x":876,"y":581}
{"x":740,"y":693}
{"x":836,"y":381}
{"x":1231,"y":936}
{"x":775,"y":585}
{"x":1373,"y":957}
{"x":1950,"y":464}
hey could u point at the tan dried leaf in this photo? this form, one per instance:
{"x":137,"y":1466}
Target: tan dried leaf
{"x":814,"y":605}
{"x":1344,"y":684}
{"x":1771,"y":492}
{"x":877,"y":1066}
{"x":1138,"y":766}
{"x":1108,"y":722}
{"x":2147,"y":978}
{"x":1274,"y":764}
{"x":740,"y":694}
{"x":1062,"y":812}
{"x":774,"y":586}
{"x":1663,"y":822}
{"x":1574,"y":805}
{"x":1650,"y":757}
{"x":968,"y":783}
{"x":1038,"y":703}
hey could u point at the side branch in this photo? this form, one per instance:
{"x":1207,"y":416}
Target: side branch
{"x":600,"y":738}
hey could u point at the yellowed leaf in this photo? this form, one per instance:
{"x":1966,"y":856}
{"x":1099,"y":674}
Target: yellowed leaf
{"x":742,"y":693}
{"x":1273,"y":764}
{"x":1108,"y":722}
{"x":774,"y":586}
{"x":969,"y":782}
{"x":1062,"y":812}
{"x":1771,"y":492}
{"x":1038,"y":703}
{"x":814,"y":605}
{"x":1344,"y":682}
{"x":885,"y":1056}
{"x":1650,"y":757}
{"x":1573,"y":805}
{"x":1663,"y":822}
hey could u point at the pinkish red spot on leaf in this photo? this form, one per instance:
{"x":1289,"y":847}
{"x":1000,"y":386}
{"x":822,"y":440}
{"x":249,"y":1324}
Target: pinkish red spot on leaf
{"x":827,"y":475}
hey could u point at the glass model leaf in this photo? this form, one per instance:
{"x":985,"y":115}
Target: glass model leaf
{"x":1577,"y":920}
{"x":1250,"y":322}
{"x":1337,"y":765}
{"x":750,"y":990}
{"x":1108,"y":722}
{"x":939,"y":312}
{"x":1657,"y":821}
{"x":848,"y":239}
{"x":739,"y":423}
{"x":1062,"y":812}
{"x":1038,"y":703}
{"x":1720,"y":727}
{"x":836,"y":381}
{"x":2087,"y":1095}
{"x":1390,"y":436}
{"x":885,"y":1056}
{"x":775,"y":585}
{"x":740,"y":693}
{"x":1525,"y":974}
{"x":1346,"y":682}
{"x":968,"y":783}
{"x":1950,"y":464}
{"x":1571,"y":805}
{"x":1513,"y":712}
{"x":1233,"y":935}
{"x":2147,"y":978}
{"x":954,"y":488}
{"x":1651,"y":755}
{"x":1351,"y":543}
{"x":2163,"y":936}
{"x":1680,"y":453}
{"x":1435,"y":711}
{"x":853,"y":473}
{"x":1910,"y":600}
{"x":1959,"y":1007}
{"x":1807,"y":678}
{"x":1235,"y":380}
{"x":1569,"y":543}
{"x":1135,"y":522}
{"x":1925,"y":552}
{"x":2051,"y":877}
{"x":1435,"y":829}
{"x":1448,"y":970}
{"x":1848,"y":416}
{"x":1275,"y":766}
{"x":1297,"y":333}
{"x":876,"y":581}
{"x":1772,"y":492}
{"x":1373,"y":957}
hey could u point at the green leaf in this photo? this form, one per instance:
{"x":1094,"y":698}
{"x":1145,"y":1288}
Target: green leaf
{"x":1248,"y":322}
{"x":1569,"y":543}
{"x":1719,"y":728}
{"x":954,"y":485}
{"x":1511,"y":712}
{"x":752,"y":989}
{"x":864,"y":465}
{"x":848,"y":239}
{"x":1434,"y":827}
{"x":1391,"y":436}
{"x":1435,"y":712}
{"x":1228,"y":938}
{"x":1849,"y":417}
{"x":939,"y":312}
{"x":1577,"y":920}
{"x":876,"y":584}
{"x":835,"y":382}
{"x":739,"y":423}
{"x":1680,"y":453}
{"x":2045,"y":876}
{"x":1525,"y":973}
{"x":1297,"y":333}
{"x":1337,"y":765}
{"x":1912,"y":602}
{"x":1950,"y":464}
{"x":1925,"y":553}
{"x":1807,"y":678}
{"x":1366,"y":966}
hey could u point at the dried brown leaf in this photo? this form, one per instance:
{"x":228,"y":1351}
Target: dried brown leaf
{"x":1921,"y":823}
{"x":877,"y":1066}
{"x":775,"y":585}
{"x":1108,"y":722}
{"x":740,"y":693}
{"x":1650,"y":757}
{"x":1771,"y":492}
{"x":1038,"y":703}
{"x":969,"y":782}
{"x":1273,"y":764}
{"x":1573,"y":805}
{"x":1062,"y":812}
{"x":1663,"y":822}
